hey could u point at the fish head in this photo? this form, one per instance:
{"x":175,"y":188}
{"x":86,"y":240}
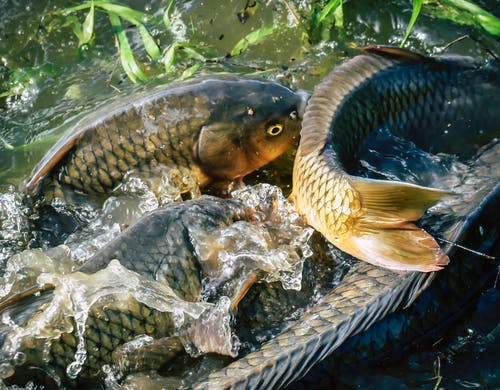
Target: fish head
{"x":256,"y":123}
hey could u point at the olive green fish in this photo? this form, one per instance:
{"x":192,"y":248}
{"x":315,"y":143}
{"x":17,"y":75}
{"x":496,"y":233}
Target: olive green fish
{"x":214,"y":129}
{"x":159,"y":246}
{"x":403,"y":91}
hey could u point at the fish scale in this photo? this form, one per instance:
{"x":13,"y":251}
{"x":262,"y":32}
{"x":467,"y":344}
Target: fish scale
{"x":108,"y":326}
{"x":158,"y":247}
{"x":213,"y":129}
{"x":403,"y":92}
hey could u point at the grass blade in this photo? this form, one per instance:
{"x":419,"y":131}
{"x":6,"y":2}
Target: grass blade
{"x":132,"y":15}
{"x":166,"y":15}
{"x":149,"y":43}
{"x":330,"y":8}
{"x":87,"y":27}
{"x":169,"y":57}
{"x":6,"y":144}
{"x":486,"y":20}
{"x":417,"y":6}
{"x":127,"y":58}
{"x":251,"y":39}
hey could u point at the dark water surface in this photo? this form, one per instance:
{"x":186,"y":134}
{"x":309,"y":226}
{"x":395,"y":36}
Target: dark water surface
{"x":54,"y":83}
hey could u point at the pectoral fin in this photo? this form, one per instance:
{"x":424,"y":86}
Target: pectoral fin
{"x":406,"y":248}
{"x":383,"y":234}
{"x":388,"y":203}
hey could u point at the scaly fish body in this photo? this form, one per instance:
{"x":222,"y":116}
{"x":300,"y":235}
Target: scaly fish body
{"x":358,"y":310}
{"x":220,"y":128}
{"x":401,"y":91}
{"x":158,"y":247}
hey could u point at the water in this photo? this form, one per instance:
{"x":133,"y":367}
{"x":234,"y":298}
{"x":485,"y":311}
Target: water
{"x":53,"y":83}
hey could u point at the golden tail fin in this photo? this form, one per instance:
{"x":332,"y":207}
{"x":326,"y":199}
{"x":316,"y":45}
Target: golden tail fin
{"x":384,"y":235}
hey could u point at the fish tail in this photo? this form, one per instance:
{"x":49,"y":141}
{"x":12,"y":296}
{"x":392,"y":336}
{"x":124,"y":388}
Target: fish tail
{"x":383,"y":233}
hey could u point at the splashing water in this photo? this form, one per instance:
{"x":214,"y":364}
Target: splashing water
{"x":76,"y":293}
{"x":135,"y":197}
{"x":14,"y":226}
{"x":274,"y":245}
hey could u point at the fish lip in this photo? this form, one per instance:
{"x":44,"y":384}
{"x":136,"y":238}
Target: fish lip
{"x":304,"y":97}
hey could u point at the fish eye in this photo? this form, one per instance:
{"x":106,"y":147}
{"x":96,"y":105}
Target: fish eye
{"x":293,"y":115}
{"x":275,"y":129}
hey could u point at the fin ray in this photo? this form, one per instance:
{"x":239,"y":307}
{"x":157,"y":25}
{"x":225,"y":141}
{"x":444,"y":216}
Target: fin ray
{"x":396,"y":53}
{"x":394,"y":202}
{"x":383,"y":234}
{"x":401,"y":249}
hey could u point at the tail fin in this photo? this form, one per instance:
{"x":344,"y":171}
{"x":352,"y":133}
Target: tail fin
{"x":384,"y":235}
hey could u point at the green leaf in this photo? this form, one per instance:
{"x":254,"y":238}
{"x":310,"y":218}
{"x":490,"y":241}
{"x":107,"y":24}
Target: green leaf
{"x":323,"y":19}
{"x":185,"y":51}
{"x":490,"y":24}
{"x":330,"y":8}
{"x":190,"y":71}
{"x":483,"y":18}
{"x":6,"y":145}
{"x":417,"y":6}
{"x":464,"y":12}
{"x":169,"y":57}
{"x":339,"y":16}
{"x":166,"y":14}
{"x":132,"y":15}
{"x":192,"y":53}
{"x":76,"y":26}
{"x":127,"y":58}
{"x":149,"y":43}
{"x":251,"y":39}
{"x":87,"y":27}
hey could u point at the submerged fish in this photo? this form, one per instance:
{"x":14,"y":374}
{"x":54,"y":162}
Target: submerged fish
{"x":214,"y":129}
{"x":404,"y":92}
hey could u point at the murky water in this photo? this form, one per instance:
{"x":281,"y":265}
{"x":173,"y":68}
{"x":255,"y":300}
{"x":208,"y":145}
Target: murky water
{"x":54,"y":83}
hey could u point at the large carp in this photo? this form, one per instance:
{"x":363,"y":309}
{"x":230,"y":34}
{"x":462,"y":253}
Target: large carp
{"x":220,"y":128}
{"x":409,"y":94}
{"x":357,"y":312}
{"x":158,"y":248}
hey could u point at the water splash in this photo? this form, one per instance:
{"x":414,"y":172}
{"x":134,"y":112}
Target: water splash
{"x":135,"y":197}
{"x":23,"y":269}
{"x":14,"y":226}
{"x":75,"y":294}
{"x":275,"y":244}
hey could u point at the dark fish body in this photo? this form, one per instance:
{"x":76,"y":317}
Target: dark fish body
{"x":219,"y":128}
{"x":375,"y":312}
{"x":430,"y":100}
{"x":157,"y":247}
{"x":450,"y":295}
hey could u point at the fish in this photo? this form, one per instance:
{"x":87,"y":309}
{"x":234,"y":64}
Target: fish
{"x":218,"y":128}
{"x":158,"y":247}
{"x":405,"y":92}
{"x":375,"y":310}
{"x":344,"y":311}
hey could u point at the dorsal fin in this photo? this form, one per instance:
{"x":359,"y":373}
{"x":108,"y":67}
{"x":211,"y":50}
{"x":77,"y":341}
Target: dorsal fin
{"x":395,"y":53}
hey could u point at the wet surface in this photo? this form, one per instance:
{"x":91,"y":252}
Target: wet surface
{"x":63,"y":82}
